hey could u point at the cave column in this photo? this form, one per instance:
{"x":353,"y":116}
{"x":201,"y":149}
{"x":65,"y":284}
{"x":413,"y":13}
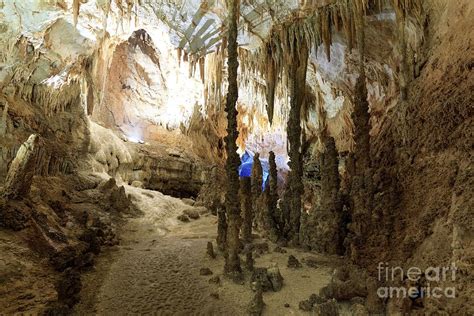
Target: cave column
{"x":297,"y":84}
{"x":327,"y":233}
{"x":232,"y":264}
{"x":361,"y":179}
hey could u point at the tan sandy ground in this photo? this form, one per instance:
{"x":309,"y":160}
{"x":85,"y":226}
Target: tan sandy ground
{"x":155,"y":270}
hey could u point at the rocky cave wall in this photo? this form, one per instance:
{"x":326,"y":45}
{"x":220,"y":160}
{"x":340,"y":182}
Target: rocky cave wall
{"x":420,"y":150}
{"x":422,"y":172}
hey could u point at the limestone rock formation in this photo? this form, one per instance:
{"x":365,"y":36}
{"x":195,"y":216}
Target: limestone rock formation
{"x":257,"y":305}
{"x":232,"y":264}
{"x":22,"y":169}
{"x":325,"y":226}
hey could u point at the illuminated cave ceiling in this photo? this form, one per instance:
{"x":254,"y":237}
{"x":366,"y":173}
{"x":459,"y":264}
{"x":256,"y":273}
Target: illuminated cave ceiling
{"x":47,"y":48}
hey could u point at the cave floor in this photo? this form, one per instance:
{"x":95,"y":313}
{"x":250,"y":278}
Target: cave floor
{"x":156,"y":269}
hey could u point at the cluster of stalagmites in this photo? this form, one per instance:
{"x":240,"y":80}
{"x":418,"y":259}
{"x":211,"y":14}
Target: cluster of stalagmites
{"x":284,"y":56}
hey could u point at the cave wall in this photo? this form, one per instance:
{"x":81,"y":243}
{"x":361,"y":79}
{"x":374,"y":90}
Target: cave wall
{"x":422,"y":161}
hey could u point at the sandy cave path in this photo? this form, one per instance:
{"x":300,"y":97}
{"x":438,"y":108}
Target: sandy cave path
{"x":154,"y":270}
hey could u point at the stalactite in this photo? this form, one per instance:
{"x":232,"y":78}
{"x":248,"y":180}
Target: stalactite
{"x":326,"y":32}
{"x":221,"y":230}
{"x":179,"y":52}
{"x":271,"y":81}
{"x":247,"y":209}
{"x":400,"y":13}
{"x":201,"y":69}
{"x":232,"y":264}
{"x":76,"y":7}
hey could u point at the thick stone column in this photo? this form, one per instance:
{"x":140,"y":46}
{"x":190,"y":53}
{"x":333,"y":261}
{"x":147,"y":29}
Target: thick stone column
{"x":327,"y":233}
{"x":360,"y":161}
{"x":297,"y":81}
{"x":232,"y":264}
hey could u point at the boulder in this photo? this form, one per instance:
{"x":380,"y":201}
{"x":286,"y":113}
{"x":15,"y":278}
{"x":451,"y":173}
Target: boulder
{"x":275,"y":278}
{"x":205,"y":271}
{"x":260,"y":275}
{"x":183,"y":218}
{"x":328,"y":308}
{"x":305,"y":306}
{"x":359,"y":310}
{"x":192,"y":213}
{"x":293,"y":262}
{"x":215,"y":280}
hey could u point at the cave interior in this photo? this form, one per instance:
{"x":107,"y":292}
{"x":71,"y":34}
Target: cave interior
{"x":236,"y":157}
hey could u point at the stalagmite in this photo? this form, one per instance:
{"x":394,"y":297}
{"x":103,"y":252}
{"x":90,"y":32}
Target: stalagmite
{"x":297,"y":76}
{"x":232,"y":264}
{"x":325,"y":225}
{"x":274,"y":217}
{"x":221,"y":230}
{"x":247,"y":209}
{"x":249,"y":261}
{"x":210,"y":250}
{"x":22,"y":169}
{"x":256,"y":179}
{"x":256,"y":306}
